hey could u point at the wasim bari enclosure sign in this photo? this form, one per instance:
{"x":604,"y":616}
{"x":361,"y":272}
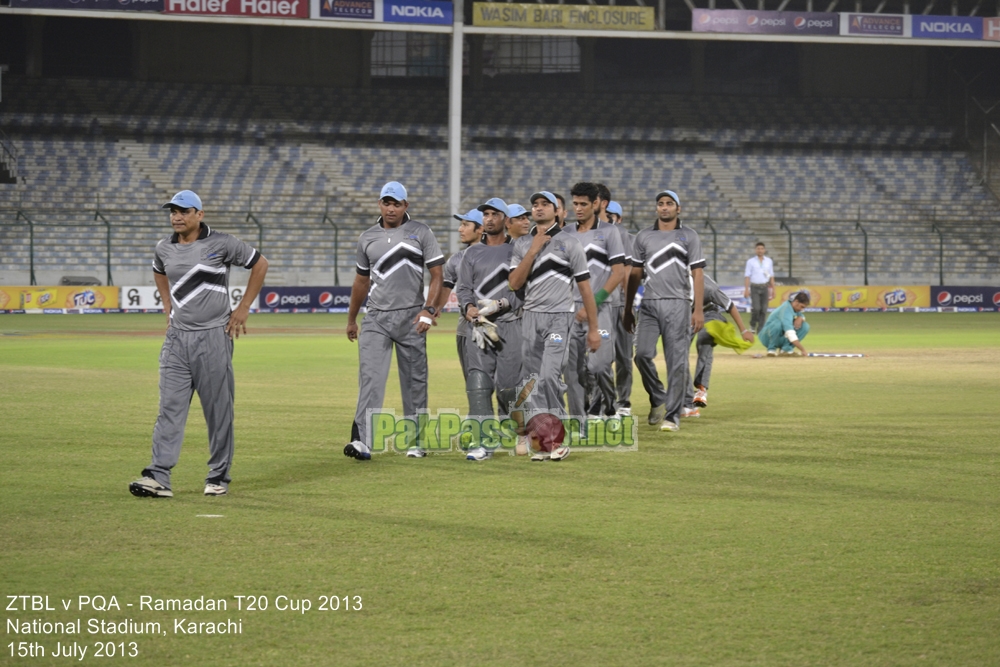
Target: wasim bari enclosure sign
{"x":578,"y":17}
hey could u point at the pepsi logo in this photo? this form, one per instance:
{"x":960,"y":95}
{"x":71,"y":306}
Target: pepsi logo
{"x":996,"y":299}
{"x":272,"y":299}
{"x":752,"y":20}
{"x":325,"y":300}
{"x":943,"y":298}
{"x":705,"y":18}
{"x":799,"y":22}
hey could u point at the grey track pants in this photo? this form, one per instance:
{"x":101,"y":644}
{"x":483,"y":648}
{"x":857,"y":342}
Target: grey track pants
{"x":705,"y":345}
{"x":758,"y":306}
{"x":589,"y":383}
{"x":624,"y":341}
{"x":460,"y":344}
{"x":669,"y":319}
{"x":502,"y":368}
{"x":380,"y":331}
{"x":192,"y":361}
{"x":544,"y":351}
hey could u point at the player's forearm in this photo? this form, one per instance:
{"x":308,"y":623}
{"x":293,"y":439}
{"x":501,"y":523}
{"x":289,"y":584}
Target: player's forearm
{"x":519,"y":276}
{"x":359,"y":291}
{"x":734,"y":312}
{"x":436,"y":286}
{"x":442,"y":299}
{"x":587,"y":295}
{"x":699,"y":290}
{"x":255,"y":283}
{"x":163,"y":287}
{"x":615,"y":279}
{"x":635,"y":279}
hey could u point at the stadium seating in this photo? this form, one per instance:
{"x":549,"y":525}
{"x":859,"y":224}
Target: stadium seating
{"x":295,"y":170}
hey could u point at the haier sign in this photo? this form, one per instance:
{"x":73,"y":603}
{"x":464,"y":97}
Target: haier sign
{"x":418,"y":11}
{"x":948,"y":27}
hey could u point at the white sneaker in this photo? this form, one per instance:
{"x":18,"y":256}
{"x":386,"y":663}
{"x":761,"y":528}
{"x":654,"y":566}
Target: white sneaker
{"x":624,"y":412}
{"x":690,"y":412}
{"x":358,"y":450}
{"x":668,"y":425}
{"x":541,"y":456}
{"x":416,"y":453}
{"x":522,"y":447}
{"x":786,"y":353}
{"x":772,"y":352}
{"x":559,"y":453}
{"x":215,"y":490}
{"x":479,"y":454}
{"x":701,"y":398}
{"x":147,"y":487}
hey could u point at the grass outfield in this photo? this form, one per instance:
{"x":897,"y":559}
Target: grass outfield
{"x":821,"y":512}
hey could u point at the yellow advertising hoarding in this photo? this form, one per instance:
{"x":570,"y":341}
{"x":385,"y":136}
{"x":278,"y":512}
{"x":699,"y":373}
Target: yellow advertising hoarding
{"x":76,"y":298}
{"x":579,"y":17}
{"x":869,"y":296}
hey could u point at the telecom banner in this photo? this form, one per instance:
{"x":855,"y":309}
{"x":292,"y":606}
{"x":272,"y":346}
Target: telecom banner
{"x":966,"y":298}
{"x":875,"y":25}
{"x":948,"y":27}
{"x":279,"y":9}
{"x":765,"y":23}
{"x":305,"y":299}
{"x":351,"y":10}
{"x":578,"y":17}
{"x":145,"y":298}
{"x":114,"y":5}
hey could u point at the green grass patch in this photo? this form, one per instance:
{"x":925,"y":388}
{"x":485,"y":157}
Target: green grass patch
{"x":821,"y":512}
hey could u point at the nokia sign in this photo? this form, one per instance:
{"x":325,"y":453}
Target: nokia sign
{"x":948,"y":27}
{"x":418,"y":11}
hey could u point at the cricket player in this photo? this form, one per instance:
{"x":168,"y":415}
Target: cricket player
{"x":669,"y":255}
{"x":588,"y":376}
{"x":545,"y":263}
{"x":518,"y":222}
{"x":716,"y":305}
{"x":191,"y":270}
{"x":786,"y":327}
{"x":391,"y":259}
{"x":492,"y":309}
{"x":603,"y":199}
{"x":624,"y":339}
{"x":469,"y":230}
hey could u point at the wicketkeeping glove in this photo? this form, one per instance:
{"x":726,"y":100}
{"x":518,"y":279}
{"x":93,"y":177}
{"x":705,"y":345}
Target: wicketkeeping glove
{"x":477,"y":337}
{"x":489,"y":307}
{"x":489,"y":332}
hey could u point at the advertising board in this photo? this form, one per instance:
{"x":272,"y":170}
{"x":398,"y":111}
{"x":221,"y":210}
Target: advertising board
{"x":580,"y":17}
{"x":875,"y":25}
{"x":304,"y":299}
{"x":979,"y":298}
{"x":145,"y":298}
{"x":948,"y":27}
{"x":765,"y":23}
{"x":110,"y":5}
{"x":286,"y":9}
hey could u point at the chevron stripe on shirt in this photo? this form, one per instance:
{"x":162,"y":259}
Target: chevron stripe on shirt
{"x":550,"y":266}
{"x":671,"y":254}
{"x":197,"y":280}
{"x":401,"y":255}
{"x":493,"y":283}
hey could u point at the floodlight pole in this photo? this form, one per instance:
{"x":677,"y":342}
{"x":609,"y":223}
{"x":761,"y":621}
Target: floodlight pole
{"x":455,"y":126}
{"x":3,"y":68}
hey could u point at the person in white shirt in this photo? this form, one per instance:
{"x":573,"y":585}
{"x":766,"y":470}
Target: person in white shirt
{"x":759,"y":285}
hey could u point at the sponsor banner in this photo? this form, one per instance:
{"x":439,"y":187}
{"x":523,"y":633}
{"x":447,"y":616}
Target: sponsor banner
{"x":855,"y":298}
{"x":41,"y":297}
{"x":991,"y":29}
{"x":280,"y":9}
{"x":304,"y":299}
{"x":113,"y":5}
{"x":578,"y":17}
{"x":875,"y":25}
{"x":351,"y":10}
{"x":948,"y":27}
{"x":418,"y":11}
{"x":146,"y":299}
{"x":765,"y":23}
{"x":977,"y":298}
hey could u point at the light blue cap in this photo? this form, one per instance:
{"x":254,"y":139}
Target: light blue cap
{"x":495,"y":203}
{"x":669,"y":193}
{"x":516,"y":211}
{"x":185,"y":199}
{"x":548,"y":195}
{"x":472,"y":216}
{"x":616,"y":208}
{"x":393,"y":190}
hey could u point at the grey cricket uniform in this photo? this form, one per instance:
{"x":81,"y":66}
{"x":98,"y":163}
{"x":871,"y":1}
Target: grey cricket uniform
{"x":667,"y":258}
{"x":197,"y":353}
{"x":624,"y":339}
{"x":483,"y":275}
{"x":548,"y":313}
{"x":590,"y":386}
{"x":450,"y":281}
{"x":394,"y":259}
{"x":716,"y":305}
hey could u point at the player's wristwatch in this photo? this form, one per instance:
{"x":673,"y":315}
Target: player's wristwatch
{"x":431,"y":309}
